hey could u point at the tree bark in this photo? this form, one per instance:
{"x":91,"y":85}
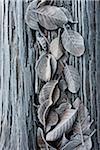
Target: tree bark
{"x":17,"y":124}
{"x":17,"y":75}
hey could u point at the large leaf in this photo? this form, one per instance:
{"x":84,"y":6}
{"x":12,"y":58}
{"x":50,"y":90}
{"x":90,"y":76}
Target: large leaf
{"x":31,"y":18}
{"x":72,"y":78}
{"x":67,"y":13}
{"x":73,"y":42}
{"x":63,"y":126}
{"x":50,"y":17}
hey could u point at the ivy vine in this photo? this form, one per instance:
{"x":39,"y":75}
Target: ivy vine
{"x":64,"y":125}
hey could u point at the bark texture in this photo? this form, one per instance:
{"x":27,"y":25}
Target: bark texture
{"x":18,"y":82}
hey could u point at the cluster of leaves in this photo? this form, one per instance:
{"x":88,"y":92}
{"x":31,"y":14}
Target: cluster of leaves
{"x":66,"y":126}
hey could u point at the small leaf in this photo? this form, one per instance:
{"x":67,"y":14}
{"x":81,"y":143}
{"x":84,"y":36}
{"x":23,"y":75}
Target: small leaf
{"x":55,"y":48}
{"x":42,"y":110}
{"x":45,"y":115}
{"x":67,"y":13}
{"x":49,"y":90}
{"x":63,"y":99}
{"x":87,"y":145}
{"x":64,"y":58}
{"x":58,"y":3}
{"x":72,"y":78}
{"x":74,"y":143}
{"x":46,"y":67}
{"x":31,"y":18}
{"x":71,"y":144}
{"x":53,"y":65}
{"x":83,"y":119}
{"x":59,"y":71}
{"x":43,"y":67}
{"x":73,"y":42}
{"x":43,"y":3}
{"x":62,"y":85}
{"x":55,"y":94}
{"x":43,"y":145}
{"x":63,"y":126}
{"x":62,"y":108}
{"x":40,"y":139}
{"x":51,"y":120}
{"x":48,"y":96}
{"x":77,"y":102}
{"x":82,"y":124}
{"x":63,"y":142}
{"x":41,"y":41}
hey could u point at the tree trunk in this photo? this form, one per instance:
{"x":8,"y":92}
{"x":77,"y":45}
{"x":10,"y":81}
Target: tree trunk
{"x":17,"y":128}
{"x":17,"y":75}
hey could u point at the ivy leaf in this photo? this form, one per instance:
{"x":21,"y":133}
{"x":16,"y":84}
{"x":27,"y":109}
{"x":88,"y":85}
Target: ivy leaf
{"x":42,"y":110}
{"x":43,"y":3}
{"x":50,"y":17}
{"x":58,"y":3}
{"x":87,"y":145}
{"x":72,"y":78}
{"x":72,"y":143}
{"x":55,"y":48}
{"x":43,"y":67}
{"x":31,"y":18}
{"x":73,"y":42}
{"x":48,"y":96}
{"x":49,"y":90}
{"x":41,"y":41}
{"x":46,"y":66}
{"x":67,"y":13}
{"x":83,"y":119}
{"x":40,"y":139}
{"x":62,"y":108}
{"x":63,"y":141}
{"x":52,"y":120}
{"x":76,"y":144}
{"x":62,"y":85}
{"x":43,"y":145}
{"x":63,"y":126}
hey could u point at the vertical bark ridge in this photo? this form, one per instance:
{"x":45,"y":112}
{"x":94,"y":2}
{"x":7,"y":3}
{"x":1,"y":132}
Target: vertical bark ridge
{"x":17,"y":79}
